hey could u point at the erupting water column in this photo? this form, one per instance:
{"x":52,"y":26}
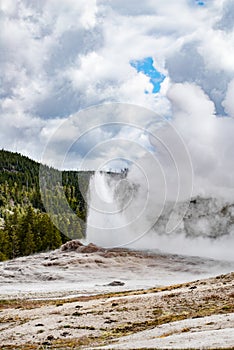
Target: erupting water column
{"x":105,"y":223}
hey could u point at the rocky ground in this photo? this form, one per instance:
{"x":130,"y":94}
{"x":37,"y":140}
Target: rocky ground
{"x":77,"y":269}
{"x":197,"y":314}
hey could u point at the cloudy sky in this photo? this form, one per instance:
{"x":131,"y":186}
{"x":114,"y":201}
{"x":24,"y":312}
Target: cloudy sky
{"x":175,"y":58}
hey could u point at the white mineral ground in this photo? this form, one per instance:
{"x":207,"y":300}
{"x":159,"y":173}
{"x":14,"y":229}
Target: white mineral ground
{"x":58,"y":299}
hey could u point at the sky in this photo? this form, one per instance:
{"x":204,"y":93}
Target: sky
{"x":174,"y":58}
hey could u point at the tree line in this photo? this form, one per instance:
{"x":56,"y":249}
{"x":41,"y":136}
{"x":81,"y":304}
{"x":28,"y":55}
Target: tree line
{"x":25,"y":227}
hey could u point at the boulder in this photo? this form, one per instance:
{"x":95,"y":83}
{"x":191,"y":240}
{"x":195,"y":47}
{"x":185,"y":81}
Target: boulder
{"x":71,"y":245}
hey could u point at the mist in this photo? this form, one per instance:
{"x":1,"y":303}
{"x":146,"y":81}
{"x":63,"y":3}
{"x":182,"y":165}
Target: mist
{"x":119,"y":217}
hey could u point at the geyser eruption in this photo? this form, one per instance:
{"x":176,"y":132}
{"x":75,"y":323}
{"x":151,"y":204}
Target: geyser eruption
{"x":115,"y":203}
{"x":106,"y":222}
{"x":121,"y":206}
{"x":150,"y":207}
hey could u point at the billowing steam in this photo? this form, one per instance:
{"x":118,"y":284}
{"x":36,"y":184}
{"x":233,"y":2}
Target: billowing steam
{"x":164,"y":204}
{"x":117,"y":217}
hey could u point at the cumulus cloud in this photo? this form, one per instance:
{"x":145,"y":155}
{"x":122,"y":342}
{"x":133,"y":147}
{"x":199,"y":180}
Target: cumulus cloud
{"x":208,"y":138}
{"x":228,"y":101}
{"x":58,"y":57}
{"x":226,"y":20}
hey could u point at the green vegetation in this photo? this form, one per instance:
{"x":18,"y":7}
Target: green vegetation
{"x":25,"y":227}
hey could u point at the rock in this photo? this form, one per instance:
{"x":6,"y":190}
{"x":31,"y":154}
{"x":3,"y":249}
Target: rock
{"x":77,"y":313}
{"x":76,"y":245}
{"x":193,"y":287}
{"x":46,"y":343}
{"x":71,"y":245}
{"x":110,"y":321}
{"x":50,"y":337}
{"x":116,"y":283}
{"x":114,"y":304}
{"x":65,"y":334}
{"x":90,"y":248}
{"x":109,"y":254}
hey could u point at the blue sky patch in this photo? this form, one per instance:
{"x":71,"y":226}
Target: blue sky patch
{"x":146,"y":66}
{"x":200,"y":3}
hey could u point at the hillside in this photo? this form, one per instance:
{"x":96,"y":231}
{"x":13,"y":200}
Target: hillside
{"x":25,"y":228}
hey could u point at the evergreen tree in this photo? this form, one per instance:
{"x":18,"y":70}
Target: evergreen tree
{"x":28,"y":245}
{"x":25,"y":227}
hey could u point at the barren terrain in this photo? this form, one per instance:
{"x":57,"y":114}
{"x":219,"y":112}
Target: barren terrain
{"x":197,"y":313}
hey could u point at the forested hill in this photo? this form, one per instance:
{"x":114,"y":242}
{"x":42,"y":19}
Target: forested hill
{"x":25,"y":227}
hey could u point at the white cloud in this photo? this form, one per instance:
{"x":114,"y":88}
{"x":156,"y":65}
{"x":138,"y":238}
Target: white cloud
{"x":228,"y":102}
{"x":58,"y":57}
{"x":208,"y":138}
